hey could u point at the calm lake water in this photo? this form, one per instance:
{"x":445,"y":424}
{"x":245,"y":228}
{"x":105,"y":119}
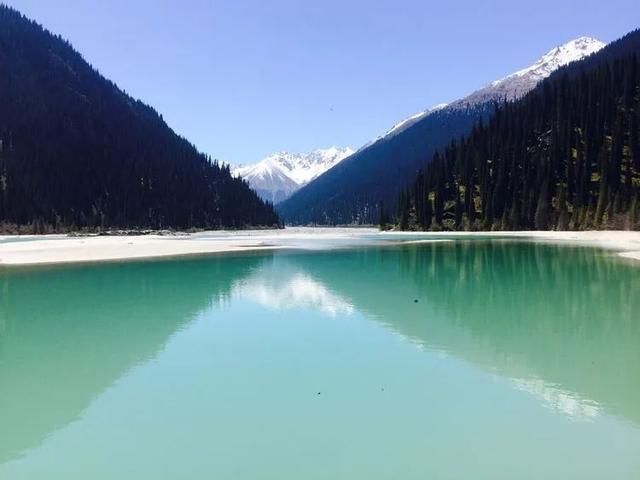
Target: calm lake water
{"x":462,"y":360}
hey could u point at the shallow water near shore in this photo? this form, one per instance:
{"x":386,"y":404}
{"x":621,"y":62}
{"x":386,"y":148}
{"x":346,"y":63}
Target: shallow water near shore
{"x":462,"y":359}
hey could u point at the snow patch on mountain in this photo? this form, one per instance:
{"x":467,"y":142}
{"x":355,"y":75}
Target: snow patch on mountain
{"x":407,"y":122}
{"x":404,"y":124}
{"x":521,"y":82}
{"x":510,"y":87}
{"x":280,"y":174}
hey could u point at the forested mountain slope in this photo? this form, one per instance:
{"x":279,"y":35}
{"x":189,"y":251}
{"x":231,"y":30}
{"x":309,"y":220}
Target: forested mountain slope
{"x":77,"y":152}
{"x":566,"y":156}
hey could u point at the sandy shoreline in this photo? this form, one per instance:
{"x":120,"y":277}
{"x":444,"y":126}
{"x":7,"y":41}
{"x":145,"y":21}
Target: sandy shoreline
{"x":60,"y":249}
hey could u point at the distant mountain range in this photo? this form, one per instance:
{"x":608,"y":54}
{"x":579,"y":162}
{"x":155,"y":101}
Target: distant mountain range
{"x":351,"y":191}
{"x":280,"y":174}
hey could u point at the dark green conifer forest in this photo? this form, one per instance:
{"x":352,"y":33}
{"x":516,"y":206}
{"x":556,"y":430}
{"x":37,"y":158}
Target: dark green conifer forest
{"x":566,"y":156}
{"x":76,"y":152}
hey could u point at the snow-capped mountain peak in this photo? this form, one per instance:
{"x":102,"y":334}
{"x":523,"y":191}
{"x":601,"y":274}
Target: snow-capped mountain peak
{"x":278,"y":175}
{"x":555,"y":58}
{"x":512,"y":86}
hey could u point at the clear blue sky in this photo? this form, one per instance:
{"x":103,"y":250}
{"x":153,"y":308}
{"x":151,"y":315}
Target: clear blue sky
{"x":244,"y":78}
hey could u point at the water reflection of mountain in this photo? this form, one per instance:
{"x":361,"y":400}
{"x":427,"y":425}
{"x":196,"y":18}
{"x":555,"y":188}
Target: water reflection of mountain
{"x":280,"y":284}
{"x":67,"y":334}
{"x":561,"y":322}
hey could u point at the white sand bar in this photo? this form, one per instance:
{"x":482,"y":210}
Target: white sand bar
{"x":53,"y":249}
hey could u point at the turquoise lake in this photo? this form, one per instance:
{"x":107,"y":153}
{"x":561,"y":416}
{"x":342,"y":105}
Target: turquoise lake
{"x":451,"y":360}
